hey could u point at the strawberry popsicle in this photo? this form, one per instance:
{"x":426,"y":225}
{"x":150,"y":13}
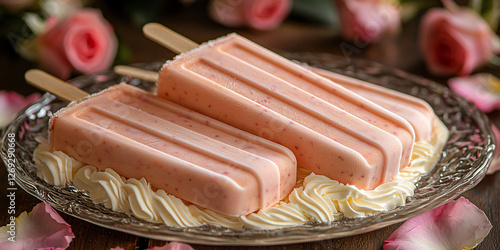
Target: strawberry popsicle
{"x":331,"y":130}
{"x":416,"y":111}
{"x":191,"y":156}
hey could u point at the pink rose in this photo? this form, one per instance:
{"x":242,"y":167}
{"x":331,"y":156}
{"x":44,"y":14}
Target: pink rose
{"x":256,"y":14}
{"x":368,"y":20}
{"x":455,"y":43}
{"x":83,"y":42}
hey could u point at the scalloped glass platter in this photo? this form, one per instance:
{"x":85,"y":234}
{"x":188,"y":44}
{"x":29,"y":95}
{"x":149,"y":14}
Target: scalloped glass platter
{"x":463,"y":162}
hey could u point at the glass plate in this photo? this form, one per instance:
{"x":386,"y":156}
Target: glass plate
{"x":463,"y":162}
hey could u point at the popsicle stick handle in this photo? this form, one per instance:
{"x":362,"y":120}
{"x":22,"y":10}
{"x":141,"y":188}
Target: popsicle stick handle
{"x":168,"y":38}
{"x":143,"y":74}
{"x":54,"y":85}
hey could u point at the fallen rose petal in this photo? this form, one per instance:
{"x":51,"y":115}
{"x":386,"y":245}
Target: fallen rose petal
{"x":481,"y":89}
{"x":456,"y":225}
{"x":10,"y":103}
{"x":42,"y":228}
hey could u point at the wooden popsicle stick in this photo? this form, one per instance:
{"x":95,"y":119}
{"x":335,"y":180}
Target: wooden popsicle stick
{"x":143,"y":74}
{"x":168,"y":38}
{"x":54,"y":85}
{"x":165,"y":37}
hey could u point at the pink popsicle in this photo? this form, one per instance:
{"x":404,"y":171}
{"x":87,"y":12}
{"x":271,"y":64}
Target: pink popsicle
{"x":331,"y":130}
{"x":191,"y":156}
{"x":416,"y":111}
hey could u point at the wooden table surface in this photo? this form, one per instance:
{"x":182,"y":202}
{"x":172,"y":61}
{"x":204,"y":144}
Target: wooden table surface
{"x":293,"y":36}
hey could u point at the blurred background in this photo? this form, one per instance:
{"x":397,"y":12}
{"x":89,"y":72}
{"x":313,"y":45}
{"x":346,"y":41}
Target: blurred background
{"x":385,"y":31}
{"x":453,"y":43}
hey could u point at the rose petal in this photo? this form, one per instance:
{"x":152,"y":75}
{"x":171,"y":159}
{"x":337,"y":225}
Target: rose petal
{"x":480,"y":89}
{"x":42,"y":228}
{"x":456,"y":225}
{"x":11,"y":102}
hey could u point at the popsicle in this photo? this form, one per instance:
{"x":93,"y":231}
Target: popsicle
{"x":416,"y":111}
{"x":191,"y":156}
{"x":331,"y":130}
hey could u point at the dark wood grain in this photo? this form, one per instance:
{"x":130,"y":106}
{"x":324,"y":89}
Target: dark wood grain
{"x":293,"y":36}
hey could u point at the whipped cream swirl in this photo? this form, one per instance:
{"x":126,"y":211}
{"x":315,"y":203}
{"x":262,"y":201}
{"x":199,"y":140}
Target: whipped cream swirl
{"x":316,"y":198}
{"x":55,"y":167}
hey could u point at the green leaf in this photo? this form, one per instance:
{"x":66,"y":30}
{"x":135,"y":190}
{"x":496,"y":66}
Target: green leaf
{"x":317,"y":11}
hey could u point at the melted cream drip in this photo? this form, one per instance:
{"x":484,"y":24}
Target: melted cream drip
{"x":315,"y":199}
